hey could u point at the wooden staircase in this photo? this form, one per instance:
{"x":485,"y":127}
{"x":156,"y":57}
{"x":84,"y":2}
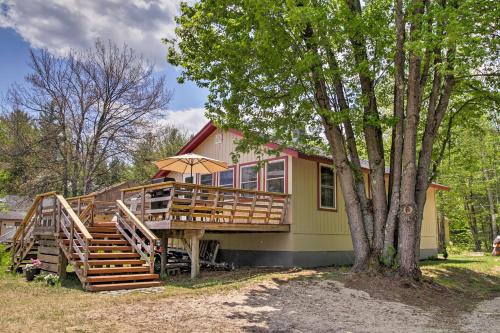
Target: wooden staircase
{"x":110,"y":251}
{"x":113,"y":263}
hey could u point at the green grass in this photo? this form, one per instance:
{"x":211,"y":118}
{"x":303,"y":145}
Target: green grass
{"x":476,"y":275}
{"x":51,"y":308}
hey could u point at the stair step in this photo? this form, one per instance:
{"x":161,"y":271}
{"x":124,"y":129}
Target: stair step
{"x":111,"y":230}
{"x":93,"y":248}
{"x":114,"y":262}
{"x":105,"y":224}
{"x":107,"y":241}
{"x":119,"y":286}
{"x":107,"y":235}
{"x":112,"y":270}
{"x":117,"y":255}
{"x":123,"y":277}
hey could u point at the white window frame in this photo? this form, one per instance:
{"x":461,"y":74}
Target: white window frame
{"x":253,"y":165}
{"x":283,"y":161}
{"x":320,"y":186}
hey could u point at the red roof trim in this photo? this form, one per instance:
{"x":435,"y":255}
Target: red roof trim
{"x":198,"y":138}
{"x":209,"y":128}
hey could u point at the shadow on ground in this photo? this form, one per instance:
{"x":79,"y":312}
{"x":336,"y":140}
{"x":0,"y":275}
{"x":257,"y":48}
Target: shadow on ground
{"x":362,"y":303}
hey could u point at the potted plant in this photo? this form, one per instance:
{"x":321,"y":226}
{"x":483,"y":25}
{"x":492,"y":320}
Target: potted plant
{"x":33,"y":269}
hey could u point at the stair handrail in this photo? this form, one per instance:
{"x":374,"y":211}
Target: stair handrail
{"x":87,"y":215}
{"x":131,"y":223}
{"x":26,"y":228}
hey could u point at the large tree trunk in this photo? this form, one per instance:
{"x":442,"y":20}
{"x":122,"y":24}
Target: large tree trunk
{"x":373,"y":136}
{"x":344,"y":171}
{"x":397,"y":138}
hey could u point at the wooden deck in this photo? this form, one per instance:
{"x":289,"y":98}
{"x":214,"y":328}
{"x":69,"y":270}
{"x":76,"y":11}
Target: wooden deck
{"x":182,"y":206}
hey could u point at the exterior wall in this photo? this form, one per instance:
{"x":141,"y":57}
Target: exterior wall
{"x":317,"y":230}
{"x":242,"y":241}
{"x":317,"y":237}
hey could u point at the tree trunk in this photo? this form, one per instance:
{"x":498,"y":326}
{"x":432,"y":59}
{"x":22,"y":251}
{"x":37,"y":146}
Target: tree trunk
{"x":397,"y":139}
{"x":441,"y":234}
{"x":344,"y":172}
{"x":491,"y":205}
{"x":473,"y":226}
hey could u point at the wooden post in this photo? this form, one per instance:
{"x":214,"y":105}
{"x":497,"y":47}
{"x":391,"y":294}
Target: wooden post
{"x":62,"y":265}
{"x":195,"y":255}
{"x":164,"y":246}
{"x":143,"y":203}
{"x":54,"y":213}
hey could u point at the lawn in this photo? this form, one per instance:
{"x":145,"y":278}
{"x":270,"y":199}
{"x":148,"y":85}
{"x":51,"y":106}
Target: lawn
{"x":467,"y":278}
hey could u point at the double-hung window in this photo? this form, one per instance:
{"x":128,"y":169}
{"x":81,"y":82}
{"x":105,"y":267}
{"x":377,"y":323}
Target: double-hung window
{"x":249,"y":177}
{"x":275,"y":176}
{"x":226,"y":178}
{"x":327,"y":187}
{"x":207,"y":179}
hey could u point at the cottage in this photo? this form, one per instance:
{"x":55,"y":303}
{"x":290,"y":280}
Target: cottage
{"x":319,"y":231}
{"x":288,"y":213}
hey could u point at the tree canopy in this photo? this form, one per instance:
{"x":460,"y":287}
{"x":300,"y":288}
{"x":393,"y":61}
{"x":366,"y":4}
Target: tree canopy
{"x":369,"y":77}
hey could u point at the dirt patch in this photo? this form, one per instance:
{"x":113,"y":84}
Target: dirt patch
{"x":422,"y":294}
{"x":303,"y":305}
{"x":253,"y":300}
{"x":485,"y":318}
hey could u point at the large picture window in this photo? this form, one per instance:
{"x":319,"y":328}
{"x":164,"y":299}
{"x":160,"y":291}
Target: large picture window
{"x":249,"y":177}
{"x":327,"y":187}
{"x":275,"y":176}
{"x":226,"y":178}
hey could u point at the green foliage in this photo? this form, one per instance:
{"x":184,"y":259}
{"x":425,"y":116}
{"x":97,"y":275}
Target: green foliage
{"x":163,"y":142}
{"x":19,"y":159}
{"x":472,"y":151}
{"x":253,"y":58}
{"x":49,"y":279}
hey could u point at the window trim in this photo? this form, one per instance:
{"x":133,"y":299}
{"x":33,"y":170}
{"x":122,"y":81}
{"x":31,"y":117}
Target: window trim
{"x":248,"y":164}
{"x":329,"y":209}
{"x":285,"y":171}
{"x":233,"y":169}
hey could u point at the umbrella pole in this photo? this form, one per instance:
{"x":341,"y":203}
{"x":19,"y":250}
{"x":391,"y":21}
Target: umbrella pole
{"x":192,"y":179}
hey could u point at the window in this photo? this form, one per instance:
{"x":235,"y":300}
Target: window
{"x":218,"y":138}
{"x":189,"y":179}
{"x":226,"y":178}
{"x":206,"y":179}
{"x":327,"y":184}
{"x":275,"y":176}
{"x":249,"y":177}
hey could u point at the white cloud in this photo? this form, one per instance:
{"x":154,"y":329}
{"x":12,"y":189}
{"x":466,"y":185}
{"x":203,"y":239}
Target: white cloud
{"x":61,"y":25}
{"x":191,"y":120}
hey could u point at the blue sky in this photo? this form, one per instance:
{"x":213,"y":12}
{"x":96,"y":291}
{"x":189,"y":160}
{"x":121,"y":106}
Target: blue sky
{"x":60,"y":25}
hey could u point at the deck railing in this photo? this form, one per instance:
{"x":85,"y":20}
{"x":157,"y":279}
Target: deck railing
{"x":177,"y":202}
{"x":51,"y":213}
{"x":142,"y":239}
